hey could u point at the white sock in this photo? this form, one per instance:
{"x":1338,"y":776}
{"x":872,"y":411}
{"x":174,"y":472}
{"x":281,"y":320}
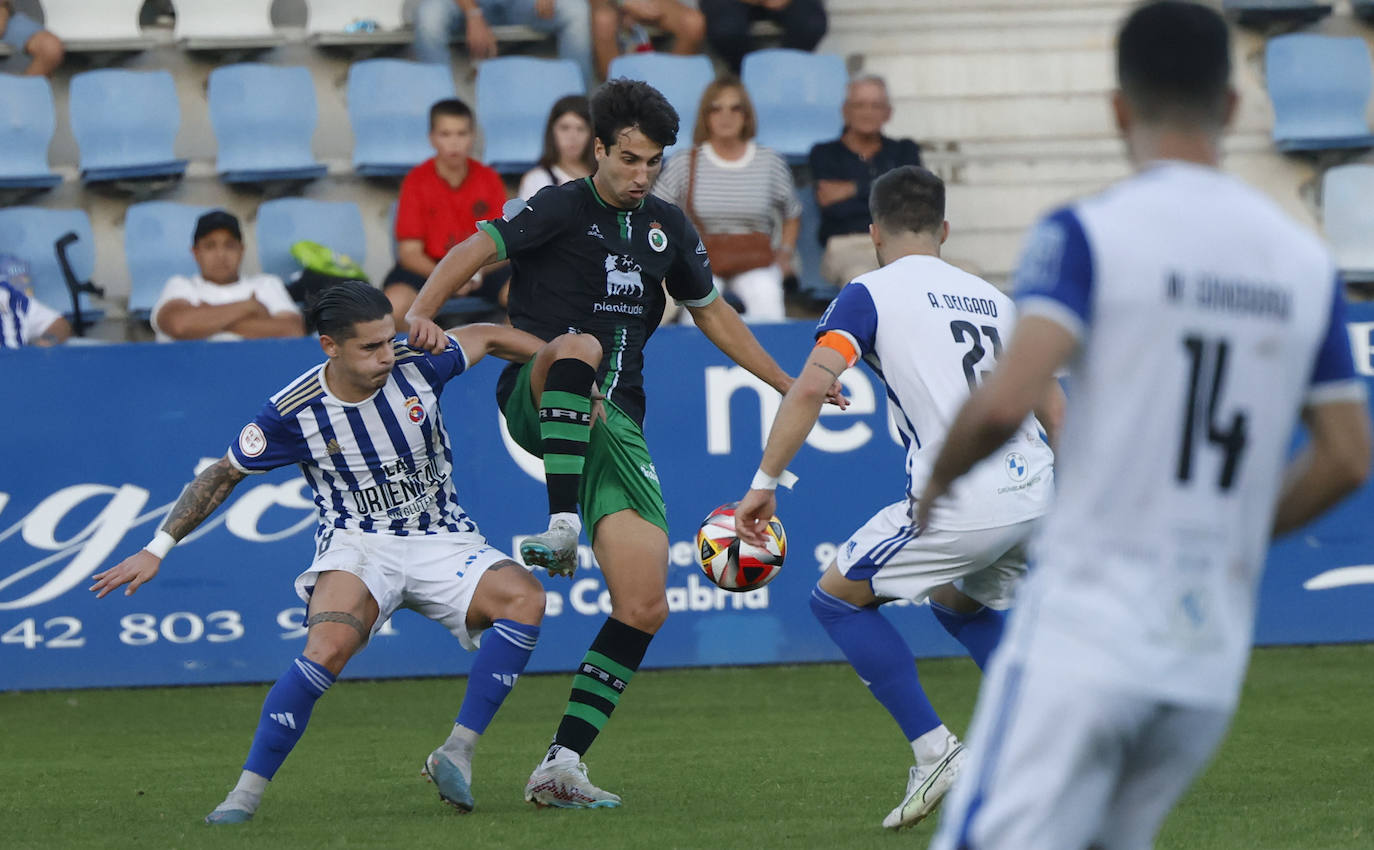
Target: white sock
{"x":459,"y":748}
{"x":247,"y":794}
{"x":570,"y":518}
{"x":932,"y":746}
{"x":559,"y":753}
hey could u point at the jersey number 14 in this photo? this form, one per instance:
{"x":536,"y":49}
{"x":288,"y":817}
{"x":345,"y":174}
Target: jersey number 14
{"x":1200,"y":411}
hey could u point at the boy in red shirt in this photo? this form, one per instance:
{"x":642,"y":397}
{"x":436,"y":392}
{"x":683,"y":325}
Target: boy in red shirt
{"x":442,"y":199}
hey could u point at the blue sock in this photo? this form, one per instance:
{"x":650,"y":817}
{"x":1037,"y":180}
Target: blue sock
{"x":880,"y":657}
{"x":501,"y":659}
{"x":979,"y":632}
{"x":285,"y":713}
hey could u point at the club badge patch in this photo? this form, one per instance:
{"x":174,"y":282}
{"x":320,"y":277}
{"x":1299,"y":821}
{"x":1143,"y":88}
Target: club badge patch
{"x":252,"y":442}
{"x":658,"y":240}
{"x":415,"y":410}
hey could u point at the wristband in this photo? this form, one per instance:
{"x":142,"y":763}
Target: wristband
{"x":160,"y":545}
{"x":764,"y":481}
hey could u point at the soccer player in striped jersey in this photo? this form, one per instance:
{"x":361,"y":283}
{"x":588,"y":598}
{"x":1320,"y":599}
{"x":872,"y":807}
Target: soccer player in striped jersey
{"x":366,"y":431}
{"x":930,"y":332}
{"x":1198,"y":323}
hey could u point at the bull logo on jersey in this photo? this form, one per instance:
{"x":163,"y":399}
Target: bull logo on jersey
{"x":415,"y":410}
{"x":622,"y":277}
{"x":1015,"y":465}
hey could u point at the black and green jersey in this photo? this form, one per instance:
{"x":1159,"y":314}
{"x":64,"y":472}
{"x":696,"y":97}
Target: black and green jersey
{"x":579,"y":264}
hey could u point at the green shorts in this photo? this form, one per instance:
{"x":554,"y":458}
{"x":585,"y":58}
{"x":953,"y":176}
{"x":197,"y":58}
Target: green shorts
{"x":619,"y":473}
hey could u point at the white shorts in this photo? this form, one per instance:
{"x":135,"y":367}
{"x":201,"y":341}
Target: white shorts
{"x":984,"y":564}
{"x":433,"y":574}
{"x":1058,"y":760}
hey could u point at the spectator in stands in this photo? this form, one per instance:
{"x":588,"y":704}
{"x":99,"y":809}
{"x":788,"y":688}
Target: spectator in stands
{"x":736,"y":193}
{"x":24,"y":320}
{"x":35,"y":52}
{"x":567,"y":147}
{"x":442,"y":199}
{"x":845,"y":169}
{"x":803,"y":25}
{"x":618,"y":26}
{"x":218,"y":303}
{"x":437,"y":21}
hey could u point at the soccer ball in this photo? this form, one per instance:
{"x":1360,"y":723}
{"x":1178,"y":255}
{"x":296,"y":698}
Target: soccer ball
{"x":732,"y":564}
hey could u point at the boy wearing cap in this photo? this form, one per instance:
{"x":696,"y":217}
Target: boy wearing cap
{"x":219,"y":304}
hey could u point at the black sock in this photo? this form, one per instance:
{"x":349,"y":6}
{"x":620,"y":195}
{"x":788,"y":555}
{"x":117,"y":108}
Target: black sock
{"x":565,"y":426}
{"x":601,"y":678}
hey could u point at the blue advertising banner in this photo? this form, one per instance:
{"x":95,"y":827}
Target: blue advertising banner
{"x":100,"y":440}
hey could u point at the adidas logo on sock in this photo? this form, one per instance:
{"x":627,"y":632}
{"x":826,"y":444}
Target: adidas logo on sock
{"x":507,"y":679}
{"x":553,"y":753}
{"x":285,"y":718}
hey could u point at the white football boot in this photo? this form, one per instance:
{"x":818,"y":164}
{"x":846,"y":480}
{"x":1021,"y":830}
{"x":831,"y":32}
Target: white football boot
{"x":926,"y":786}
{"x":561,"y":781}
{"x":555,"y":550}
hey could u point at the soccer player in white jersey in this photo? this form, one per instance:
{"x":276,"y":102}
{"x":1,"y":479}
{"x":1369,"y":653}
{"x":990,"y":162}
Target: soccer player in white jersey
{"x":367,"y":432}
{"x":1198,"y":322}
{"x":930,"y":332}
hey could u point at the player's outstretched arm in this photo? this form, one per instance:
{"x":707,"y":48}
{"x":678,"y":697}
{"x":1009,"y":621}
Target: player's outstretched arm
{"x":1333,"y":464}
{"x":994,"y":412}
{"x":501,"y":341}
{"x":451,"y":274}
{"x":796,"y":417}
{"x":206,"y":492}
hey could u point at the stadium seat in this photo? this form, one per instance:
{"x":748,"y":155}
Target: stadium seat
{"x":514,"y":96}
{"x":329,"y":21}
{"x":1320,"y":86}
{"x":157,"y":245}
{"x":218,"y":25}
{"x":107,"y":26}
{"x":388,"y":106}
{"x":337,"y":225}
{"x":31,"y":234}
{"x":1266,"y":13}
{"x":797,"y":96}
{"x":125,"y":123}
{"x":682,"y":79}
{"x":27,"y":119}
{"x":264,"y":118}
{"x":1348,"y":218}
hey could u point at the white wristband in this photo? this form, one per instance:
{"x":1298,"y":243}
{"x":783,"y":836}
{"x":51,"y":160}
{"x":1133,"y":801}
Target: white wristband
{"x":764,"y":481}
{"x":160,"y":545}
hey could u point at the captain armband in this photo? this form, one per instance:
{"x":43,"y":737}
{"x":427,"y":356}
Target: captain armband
{"x":842,"y":343}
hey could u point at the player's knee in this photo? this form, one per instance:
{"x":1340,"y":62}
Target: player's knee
{"x":584,"y":347}
{"x":526,"y":602}
{"x":647,"y":615}
{"x":331,"y":652}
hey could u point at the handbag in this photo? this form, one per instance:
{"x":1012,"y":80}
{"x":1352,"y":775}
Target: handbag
{"x":730,"y":253}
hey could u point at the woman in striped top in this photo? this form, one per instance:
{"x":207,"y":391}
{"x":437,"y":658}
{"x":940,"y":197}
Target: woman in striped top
{"x":739,"y":187}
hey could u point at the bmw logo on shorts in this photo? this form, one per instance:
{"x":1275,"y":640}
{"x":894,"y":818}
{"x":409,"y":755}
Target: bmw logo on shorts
{"x":1015,"y":464}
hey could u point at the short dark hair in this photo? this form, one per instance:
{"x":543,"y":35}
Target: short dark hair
{"x":623,"y":104}
{"x":1173,"y":62}
{"x":573,"y":104}
{"x":338,"y":308}
{"x":909,"y":198}
{"x":451,"y":107}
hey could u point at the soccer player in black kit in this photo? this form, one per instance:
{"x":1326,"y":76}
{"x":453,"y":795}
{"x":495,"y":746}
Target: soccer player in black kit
{"x":590,"y":261}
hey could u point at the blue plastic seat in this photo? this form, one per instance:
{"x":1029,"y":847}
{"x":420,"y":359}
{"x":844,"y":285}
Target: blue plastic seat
{"x":388,"y":106}
{"x":797,"y":96}
{"x":1348,"y":219}
{"x":125,"y":123}
{"x":338,"y":225}
{"x":26,"y":126}
{"x":264,"y":118}
{"x":157,"y":245}
{"x":1320,"y":87}
{"x":514,"y":96}
{"x":31,"y":234}
{"x":682,"y":79}
{"x":1264,"y":13}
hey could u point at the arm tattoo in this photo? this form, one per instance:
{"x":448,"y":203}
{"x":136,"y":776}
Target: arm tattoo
{"x":833,"y":373}
{"x":339,"y":617}
{"x":201,"y":497}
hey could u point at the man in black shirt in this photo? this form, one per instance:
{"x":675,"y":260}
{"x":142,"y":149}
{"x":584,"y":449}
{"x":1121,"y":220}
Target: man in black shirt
{"x":589,"y":261}
{"x":844,"y":171}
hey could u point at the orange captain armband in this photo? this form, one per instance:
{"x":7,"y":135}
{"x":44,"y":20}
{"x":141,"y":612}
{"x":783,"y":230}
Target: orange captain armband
{"x":841,"y":342}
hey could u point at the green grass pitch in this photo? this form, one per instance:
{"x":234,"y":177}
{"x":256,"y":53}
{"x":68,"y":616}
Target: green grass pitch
{"x":787,"y":757}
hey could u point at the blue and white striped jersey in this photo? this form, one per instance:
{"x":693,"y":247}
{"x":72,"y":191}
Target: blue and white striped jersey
{"x":22,"y":318}
{"x":384,"y":464}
